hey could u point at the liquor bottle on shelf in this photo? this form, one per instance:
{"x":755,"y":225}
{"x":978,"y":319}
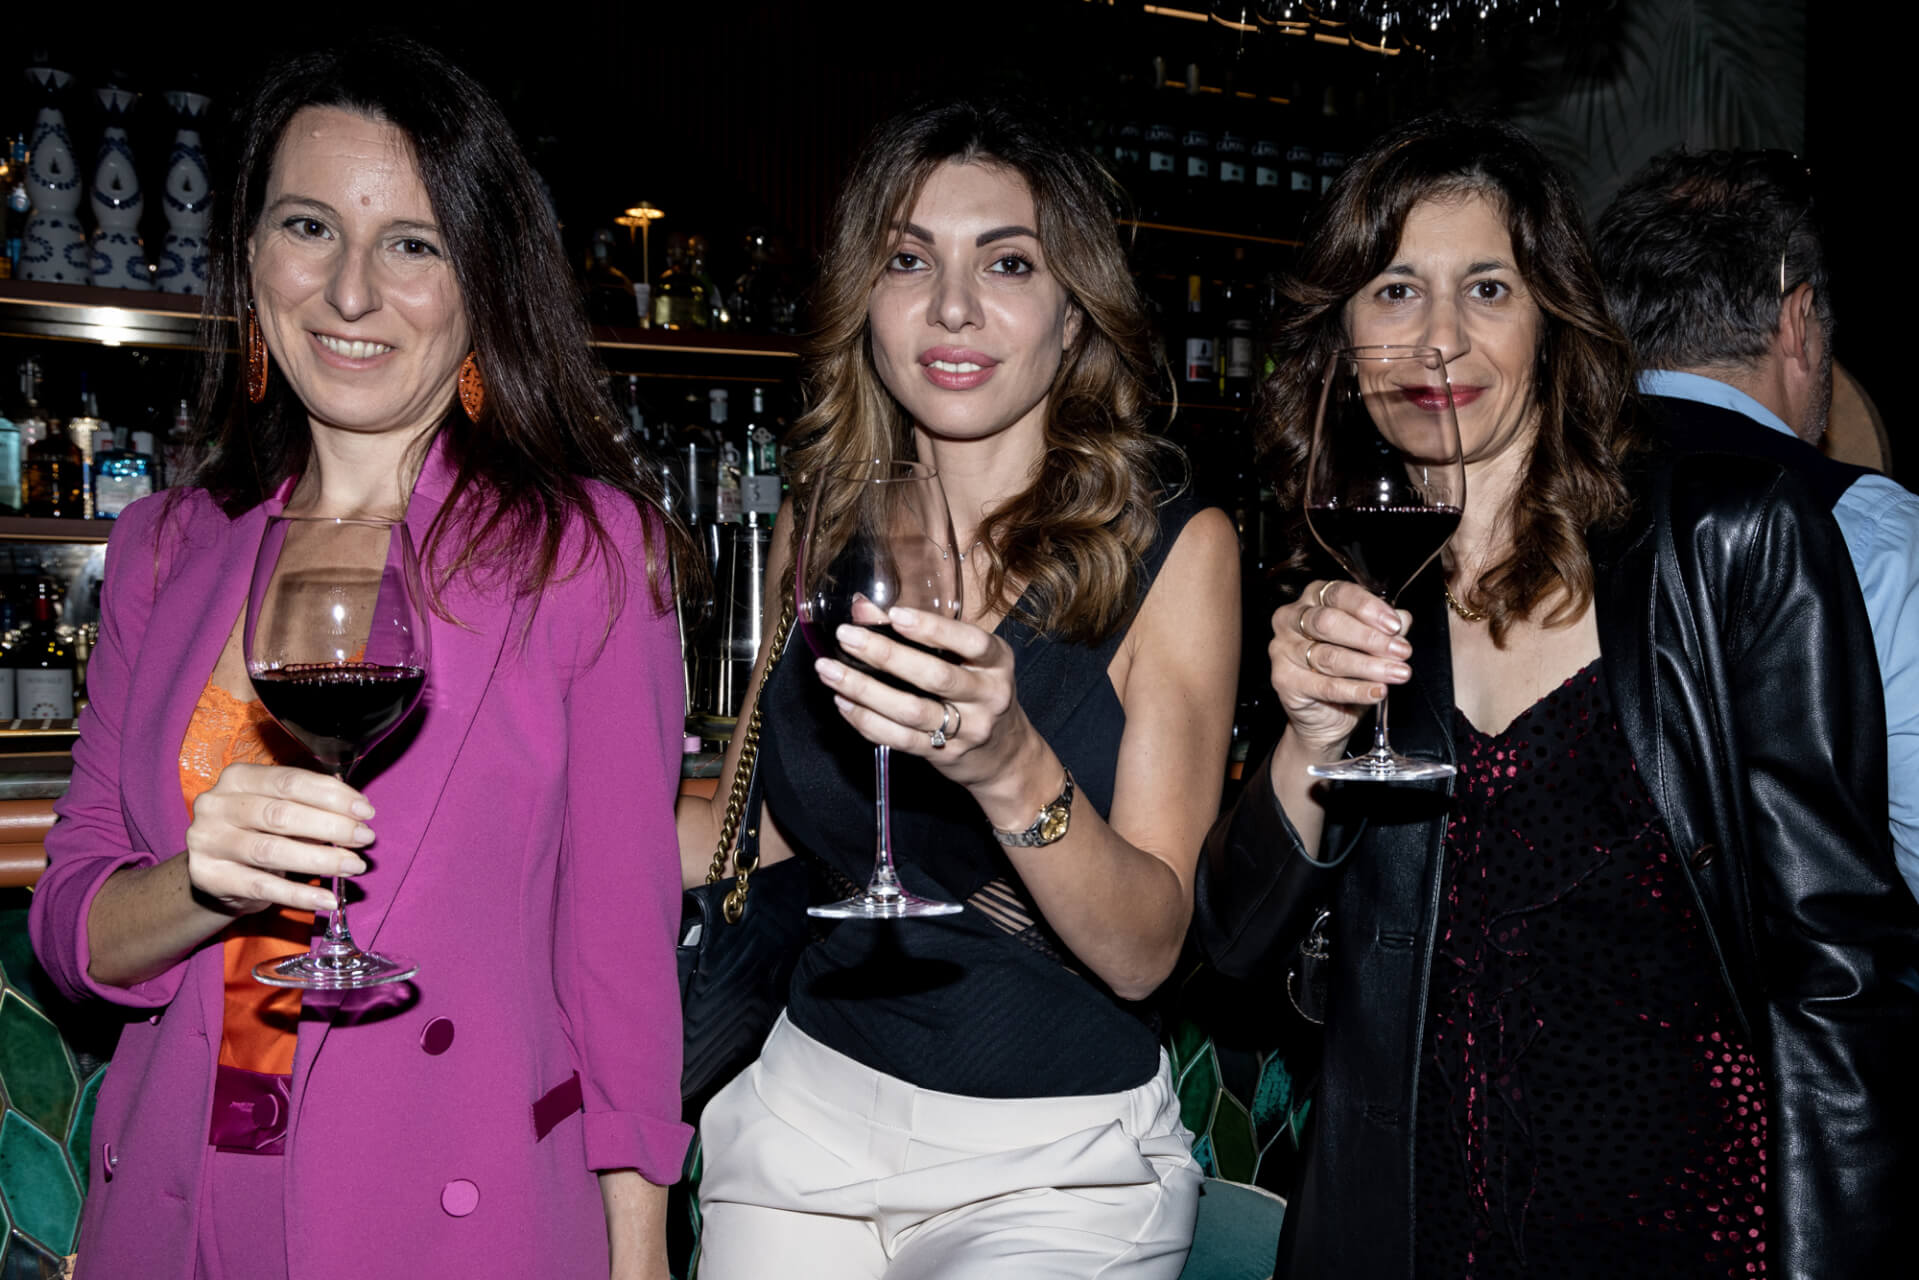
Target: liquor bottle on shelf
{"x":1267,"y":183}
{"x":1331,"y":157}
{"x":609,"y":293}
{"x":1238,"y":370}
{"x":760,"y":301}
{"x":176,"y":453}
{"x":1127,"y":141}
{"x":84,"y":430}
{"x":760,"y":480}
{"x":1196,"y":152}
{"x":728,"y":502}
{"x":55,"y":244}
{"x":9,"y":464}
{"x":120,"y":476}
{"x":31,"y":421}
{"x":189,"y":200}
{"x":43,"y":663}
{"x":13,"y":219}
{"x":717,"y":316}
{"x":1198,"y":347}
{"x":54,"y":478}
{"x":1302,"y":177}
{"x":119,"y":257}
{"x":679,"y":297}
{"x":1160,"y":182}
{"x":1231,"y":162}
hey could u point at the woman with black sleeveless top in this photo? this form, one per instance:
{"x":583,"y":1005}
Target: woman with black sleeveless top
{"x":946,"y":1095}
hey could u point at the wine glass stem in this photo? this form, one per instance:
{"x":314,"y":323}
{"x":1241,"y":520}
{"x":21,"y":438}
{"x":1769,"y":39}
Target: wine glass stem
{"x":886,"y":881}
{"x":1380,"y":747}
{"x":338,"y":938}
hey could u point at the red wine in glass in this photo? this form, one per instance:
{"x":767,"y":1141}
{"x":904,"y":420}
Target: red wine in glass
{"x":1385,"y":487}
{"x":877,"y":536}
{"x":337,"y":647}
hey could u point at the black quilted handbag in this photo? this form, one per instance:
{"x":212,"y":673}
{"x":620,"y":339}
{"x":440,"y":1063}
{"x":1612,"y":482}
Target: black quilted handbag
{"x":740,"y":935}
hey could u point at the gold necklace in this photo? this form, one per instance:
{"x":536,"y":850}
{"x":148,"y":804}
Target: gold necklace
{"x":1470,"y":615}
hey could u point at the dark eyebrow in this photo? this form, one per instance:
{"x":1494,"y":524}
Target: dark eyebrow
{"x":405,"y":226}
{"x":918,"y":232}
{"x":1490,"y":264}
{"x":1004,"y":233}
{"x":308,"y":201}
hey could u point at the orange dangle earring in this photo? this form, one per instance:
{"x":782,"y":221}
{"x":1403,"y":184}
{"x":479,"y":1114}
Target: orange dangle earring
{"x":256,"y":345}
{"x":472,"y":386}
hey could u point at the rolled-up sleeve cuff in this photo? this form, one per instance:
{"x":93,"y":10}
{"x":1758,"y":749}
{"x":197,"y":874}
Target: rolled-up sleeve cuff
{"x":69,"y":901}
{"x":630,"y":1140}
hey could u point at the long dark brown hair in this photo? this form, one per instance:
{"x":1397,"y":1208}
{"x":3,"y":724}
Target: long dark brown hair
{"x":548,"y":425}
{"x":1582,"y":384}
{"x":1078,"y":531}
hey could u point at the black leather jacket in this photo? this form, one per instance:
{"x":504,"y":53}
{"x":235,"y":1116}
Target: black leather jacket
{"x":1741,"y":665}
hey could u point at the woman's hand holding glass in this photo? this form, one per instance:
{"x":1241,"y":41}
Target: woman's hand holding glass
{"x":967,"y":700}
{"x":259,"y":824}
{"x":1333,"y":652}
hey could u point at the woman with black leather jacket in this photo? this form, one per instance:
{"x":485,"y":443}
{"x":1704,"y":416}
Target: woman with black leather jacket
{"x":1633,"y":993}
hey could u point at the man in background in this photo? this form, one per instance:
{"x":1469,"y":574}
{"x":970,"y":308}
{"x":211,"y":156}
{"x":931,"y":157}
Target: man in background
{"x":1713,"y":265}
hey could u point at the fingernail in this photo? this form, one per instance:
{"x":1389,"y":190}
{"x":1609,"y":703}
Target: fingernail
{"x":829,"y":670}
{"x":1391,"y":624}
{"x":352,"y":866}
{"x":1399,"y":649}
{"x":363,"y":834}
{"x":842,"y":703}
{"x":903,"y":617}
{"x":1401,"y":672}
{"x":851,"y":636}
{"x":321,"y":900}
{"x":360,"y":809}
{"x":1379,"y":693}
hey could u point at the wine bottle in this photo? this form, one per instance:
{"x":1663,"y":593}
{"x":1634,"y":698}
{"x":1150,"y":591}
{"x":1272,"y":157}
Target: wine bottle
{"x":55,"y":479}
{"x":1160,"y":182}
{"x":1198,"y":348}
{"x":1237,"y":369}
{"x":760,"y":480}
{"x":728,"y":505}
{"x":609,"y":293}
{"x":43,"y":665}
{"x":1196,"y":152}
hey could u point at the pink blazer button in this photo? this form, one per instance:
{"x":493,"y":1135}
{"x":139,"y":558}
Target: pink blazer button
{"x":437,"y":1036}
{"x":459,"y":1198}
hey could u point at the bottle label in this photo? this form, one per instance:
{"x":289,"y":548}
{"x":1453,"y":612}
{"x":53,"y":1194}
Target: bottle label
{"x":1239,"y":357}
{"x":1265,"y":177}
{"x":43,"y":694}
{"x":113,"y":494}
{"x":6,"y":694}
{"x":1302,"y":181}
{"x":761,"y":494}
{"x":1198,"y":167}
{"x":1230,"y":172}
{"x":1160,"y":161}
{"x":765,"y":448}
{"x":1199,"y":359}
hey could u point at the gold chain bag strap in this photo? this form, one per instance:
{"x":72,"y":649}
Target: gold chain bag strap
{"x":739,"y":937}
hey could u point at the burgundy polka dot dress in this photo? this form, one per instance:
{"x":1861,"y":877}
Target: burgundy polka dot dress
{"x":1586,"y":1104}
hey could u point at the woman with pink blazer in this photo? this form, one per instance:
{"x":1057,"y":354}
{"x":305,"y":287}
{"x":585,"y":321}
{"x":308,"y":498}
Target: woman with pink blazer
{"x":514,"y":1108}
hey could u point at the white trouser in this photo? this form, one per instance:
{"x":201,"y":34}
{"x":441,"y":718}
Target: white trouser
{"x":818,"y":1167}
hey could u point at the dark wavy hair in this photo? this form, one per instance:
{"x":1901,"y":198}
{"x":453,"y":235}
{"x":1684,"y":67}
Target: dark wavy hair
{"x":1700,"y":248}
{"x":1582,"y":386}
{"x":548,"y":424}
{"x":1078,"y":531}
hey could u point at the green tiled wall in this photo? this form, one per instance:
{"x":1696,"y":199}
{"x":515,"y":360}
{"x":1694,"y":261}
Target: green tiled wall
{"x":50,"y":1071}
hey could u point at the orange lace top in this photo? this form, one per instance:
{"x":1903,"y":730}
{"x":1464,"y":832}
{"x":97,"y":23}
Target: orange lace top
{"x":259,"y":1029}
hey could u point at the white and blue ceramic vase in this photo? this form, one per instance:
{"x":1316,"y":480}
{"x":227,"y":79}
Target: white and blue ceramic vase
{"x":54,"y":246}
{"x":119,"y":257}
{"x":189,"y":201}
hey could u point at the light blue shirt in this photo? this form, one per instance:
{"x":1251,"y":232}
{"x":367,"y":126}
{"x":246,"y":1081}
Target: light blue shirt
{"x":1880,"y":523}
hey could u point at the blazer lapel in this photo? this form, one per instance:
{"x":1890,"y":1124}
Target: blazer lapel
{"x":407,"y":774}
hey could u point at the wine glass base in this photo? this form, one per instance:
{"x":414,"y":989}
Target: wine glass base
{"x":347,"y":971}
{"x":1382,"y":767}
{"x":893,"y":906}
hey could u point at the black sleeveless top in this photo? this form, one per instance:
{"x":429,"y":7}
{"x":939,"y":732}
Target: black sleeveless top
{"x":986,"y":1003}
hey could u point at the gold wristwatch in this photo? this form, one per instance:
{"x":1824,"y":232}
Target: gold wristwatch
{"x":1050,"y":826}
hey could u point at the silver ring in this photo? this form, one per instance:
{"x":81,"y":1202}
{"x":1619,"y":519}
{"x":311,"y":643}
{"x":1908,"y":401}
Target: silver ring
{"x":949,"y":715}
{"x":1324,"y":587}
{"x":1307,"y":658}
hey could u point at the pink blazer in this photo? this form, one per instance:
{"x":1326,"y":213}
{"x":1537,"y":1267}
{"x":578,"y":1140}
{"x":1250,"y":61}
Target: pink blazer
{"x":525,"y":858}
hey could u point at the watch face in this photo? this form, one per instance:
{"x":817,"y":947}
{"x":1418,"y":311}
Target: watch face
{"x":1052,"y":824}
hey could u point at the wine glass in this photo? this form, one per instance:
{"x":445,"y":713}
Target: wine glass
{"x":336,"y":646}
{"x":1385,"y":486}
{"x":877,"y":536}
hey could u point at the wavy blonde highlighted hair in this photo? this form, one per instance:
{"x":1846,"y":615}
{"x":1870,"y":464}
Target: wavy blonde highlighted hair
{"x":1078,"y":531}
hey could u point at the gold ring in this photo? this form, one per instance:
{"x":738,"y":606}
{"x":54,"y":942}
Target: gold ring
{"x":1324,"y":587}
{"x":1307,"y":658}
{"x":1299,"y":621}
